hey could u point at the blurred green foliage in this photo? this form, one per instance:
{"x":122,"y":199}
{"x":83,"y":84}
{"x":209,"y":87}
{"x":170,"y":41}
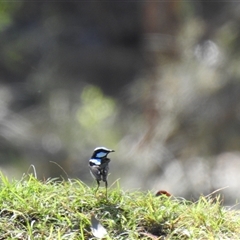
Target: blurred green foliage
{"x":6,"y":12}
{"x":96,"y":107}
{"x":96,"y":115}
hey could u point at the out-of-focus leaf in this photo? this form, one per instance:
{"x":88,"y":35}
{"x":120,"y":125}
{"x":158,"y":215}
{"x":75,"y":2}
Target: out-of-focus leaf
{"x":96,"y":107}
{"x":163,"y":192}
{"x":98,"y":230}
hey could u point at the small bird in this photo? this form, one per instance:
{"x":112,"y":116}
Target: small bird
{"x":98,"y":165}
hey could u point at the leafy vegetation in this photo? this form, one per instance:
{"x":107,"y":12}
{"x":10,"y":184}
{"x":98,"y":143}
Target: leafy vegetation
{"x":31,"y":209}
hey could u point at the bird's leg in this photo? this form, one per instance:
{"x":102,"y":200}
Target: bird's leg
{"x":106,"y":185}
{"x":98,"y":184}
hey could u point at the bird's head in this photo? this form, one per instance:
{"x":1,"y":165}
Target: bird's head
{"x":101,"y":152}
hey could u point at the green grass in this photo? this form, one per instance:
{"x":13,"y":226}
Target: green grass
{"x":31,"y":209}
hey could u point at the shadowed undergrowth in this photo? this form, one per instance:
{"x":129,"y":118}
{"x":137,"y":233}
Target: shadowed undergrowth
{"x":31,"y":209}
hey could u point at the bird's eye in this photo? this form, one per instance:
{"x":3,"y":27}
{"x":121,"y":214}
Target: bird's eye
{"x":101,"y":154}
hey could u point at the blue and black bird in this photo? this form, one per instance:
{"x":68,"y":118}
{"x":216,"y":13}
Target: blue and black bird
{"x":98,"y":165}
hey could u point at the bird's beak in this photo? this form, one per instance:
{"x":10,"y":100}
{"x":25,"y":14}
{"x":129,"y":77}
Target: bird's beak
{"x":112,"y":150}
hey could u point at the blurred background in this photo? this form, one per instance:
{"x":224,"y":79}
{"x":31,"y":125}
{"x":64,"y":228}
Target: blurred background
{"x":157,"y":81}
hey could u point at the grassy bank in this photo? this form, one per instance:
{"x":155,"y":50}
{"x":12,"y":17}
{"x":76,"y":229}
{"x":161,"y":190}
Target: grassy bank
{"x":31,"y":209}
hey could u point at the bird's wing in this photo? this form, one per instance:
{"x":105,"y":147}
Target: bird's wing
{"x":104,"y":162}
{"x":96,"y":173}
